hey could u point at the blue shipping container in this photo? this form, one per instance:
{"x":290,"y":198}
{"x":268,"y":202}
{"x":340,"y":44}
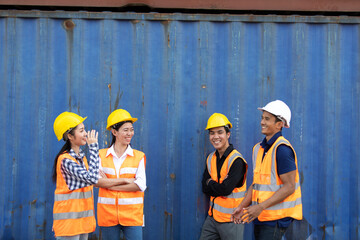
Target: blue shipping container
{"x":172,"y":71}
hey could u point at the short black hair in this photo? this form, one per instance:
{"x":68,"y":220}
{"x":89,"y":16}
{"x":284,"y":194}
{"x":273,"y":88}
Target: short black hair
{"x":278,"y":119}
{"x":227,"y":129}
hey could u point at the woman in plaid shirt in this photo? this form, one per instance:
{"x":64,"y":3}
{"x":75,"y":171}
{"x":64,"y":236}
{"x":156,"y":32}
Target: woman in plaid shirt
{"x":74,"y":176}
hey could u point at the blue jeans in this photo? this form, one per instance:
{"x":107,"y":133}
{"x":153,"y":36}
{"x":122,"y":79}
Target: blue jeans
{"x":113,"y":233}
{"x":265,"y":232}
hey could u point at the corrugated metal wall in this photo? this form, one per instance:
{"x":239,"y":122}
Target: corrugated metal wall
{"x":172,"y":71}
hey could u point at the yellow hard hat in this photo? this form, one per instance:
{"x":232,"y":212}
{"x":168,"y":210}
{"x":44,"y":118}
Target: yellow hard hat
{"x":119,"y":115}
{"x":65,"y":121}
{"x":218,"y":120}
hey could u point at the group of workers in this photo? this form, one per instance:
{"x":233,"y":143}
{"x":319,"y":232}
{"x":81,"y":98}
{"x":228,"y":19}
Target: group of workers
{"x":272,"y":202}
{"x":118,"y":172}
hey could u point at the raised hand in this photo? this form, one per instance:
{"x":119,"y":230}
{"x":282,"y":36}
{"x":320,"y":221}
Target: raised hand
{"x":92,"y":137}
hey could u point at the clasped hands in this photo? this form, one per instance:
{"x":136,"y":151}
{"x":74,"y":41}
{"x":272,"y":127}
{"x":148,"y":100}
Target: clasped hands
{"x":243,"y":215}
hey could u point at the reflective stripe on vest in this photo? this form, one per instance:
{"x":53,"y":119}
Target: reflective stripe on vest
{"x":120,"y":207}
{"x":283,"y":205}
{"x":110,"y":171}
{"x":221,"y":207}
{"x":231,"y":160}
{"x":128,"y":201}
{"x":290,"y":206}
{"x":105,"y":200}
{"x":236,"y":195}
{"x":273,"y":187}
{"x":256,"y":150}
{"x":73,"y":215}
{"x":73,"y":211}
{"x":209,"y":161}
{"x":73,"y":195}
{"x":270,"y":188}
{"x":128,"y":171}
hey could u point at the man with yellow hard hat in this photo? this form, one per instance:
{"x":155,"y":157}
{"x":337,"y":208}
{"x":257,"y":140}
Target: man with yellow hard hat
{"x":224,"y":180}
{"x":275,"y":195}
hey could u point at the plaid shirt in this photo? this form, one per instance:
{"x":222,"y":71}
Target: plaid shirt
{"x":76,"y":175}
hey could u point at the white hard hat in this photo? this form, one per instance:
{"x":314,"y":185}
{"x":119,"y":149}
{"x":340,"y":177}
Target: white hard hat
{"x":280,"y":110}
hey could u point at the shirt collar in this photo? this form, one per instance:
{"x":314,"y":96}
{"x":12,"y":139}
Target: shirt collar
{"x":74,"y":155}
{"x":226,"y":153}
{"x":129,"y":151}
{"x":267,"y":144}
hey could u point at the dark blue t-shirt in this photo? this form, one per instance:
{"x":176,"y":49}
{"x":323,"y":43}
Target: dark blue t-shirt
{"x":285,"y":161}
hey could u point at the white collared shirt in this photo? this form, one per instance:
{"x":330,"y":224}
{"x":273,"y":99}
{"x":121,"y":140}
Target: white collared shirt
{"x":140,"y":176}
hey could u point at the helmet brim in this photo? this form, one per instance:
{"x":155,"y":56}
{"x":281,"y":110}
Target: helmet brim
{"x":124,"y":120}
{"x":286,"y":125}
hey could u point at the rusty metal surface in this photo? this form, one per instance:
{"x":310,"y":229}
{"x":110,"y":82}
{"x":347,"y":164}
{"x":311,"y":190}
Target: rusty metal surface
{"x":181,"y":17}
{"x":172,"y":71}
{"x":274,"y":5}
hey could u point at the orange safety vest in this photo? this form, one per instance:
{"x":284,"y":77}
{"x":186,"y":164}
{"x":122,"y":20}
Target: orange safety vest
{"x":267,"y":182}
{"x":116,"y":207}
{"x":73,"y":211}
{"x":222,"y":207}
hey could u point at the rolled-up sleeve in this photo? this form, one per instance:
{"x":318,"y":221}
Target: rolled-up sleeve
{"x":140,"y":177}
{"x":76,"y":175}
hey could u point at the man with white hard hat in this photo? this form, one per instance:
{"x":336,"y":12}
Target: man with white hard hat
{"x":273,"y":201}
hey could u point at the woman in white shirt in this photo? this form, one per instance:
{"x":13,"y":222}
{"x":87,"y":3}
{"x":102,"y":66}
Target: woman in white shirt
{"x":122,"y":182}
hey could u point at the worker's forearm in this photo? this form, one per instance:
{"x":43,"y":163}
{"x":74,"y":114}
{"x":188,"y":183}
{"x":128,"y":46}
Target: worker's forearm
{"x":111,"y":182}
{"x":247,"y":199}
{"x":131,"y":187}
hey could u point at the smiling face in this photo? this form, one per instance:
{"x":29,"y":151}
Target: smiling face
{"x":270,"y":125}
{"x":219,"y":138}
{"x":78,"y":136}
{"x":124,"y":134}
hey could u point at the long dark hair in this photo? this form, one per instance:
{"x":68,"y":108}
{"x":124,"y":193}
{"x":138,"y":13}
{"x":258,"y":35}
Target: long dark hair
{"x":65,"y":148}
{"x":116,"y":127}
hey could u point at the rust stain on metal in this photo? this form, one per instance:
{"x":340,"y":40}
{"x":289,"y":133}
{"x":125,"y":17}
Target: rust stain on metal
{"x":323,"y":229}
{"x":203,"y":103}
{"x":118,"y":98}
{"x":168,"y":220}
{"x":69,"y":25}
{"x":172,"y":176}
{"x":109,"y":86}
{"x":166,"y":25}
{"x":167,"y":213}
